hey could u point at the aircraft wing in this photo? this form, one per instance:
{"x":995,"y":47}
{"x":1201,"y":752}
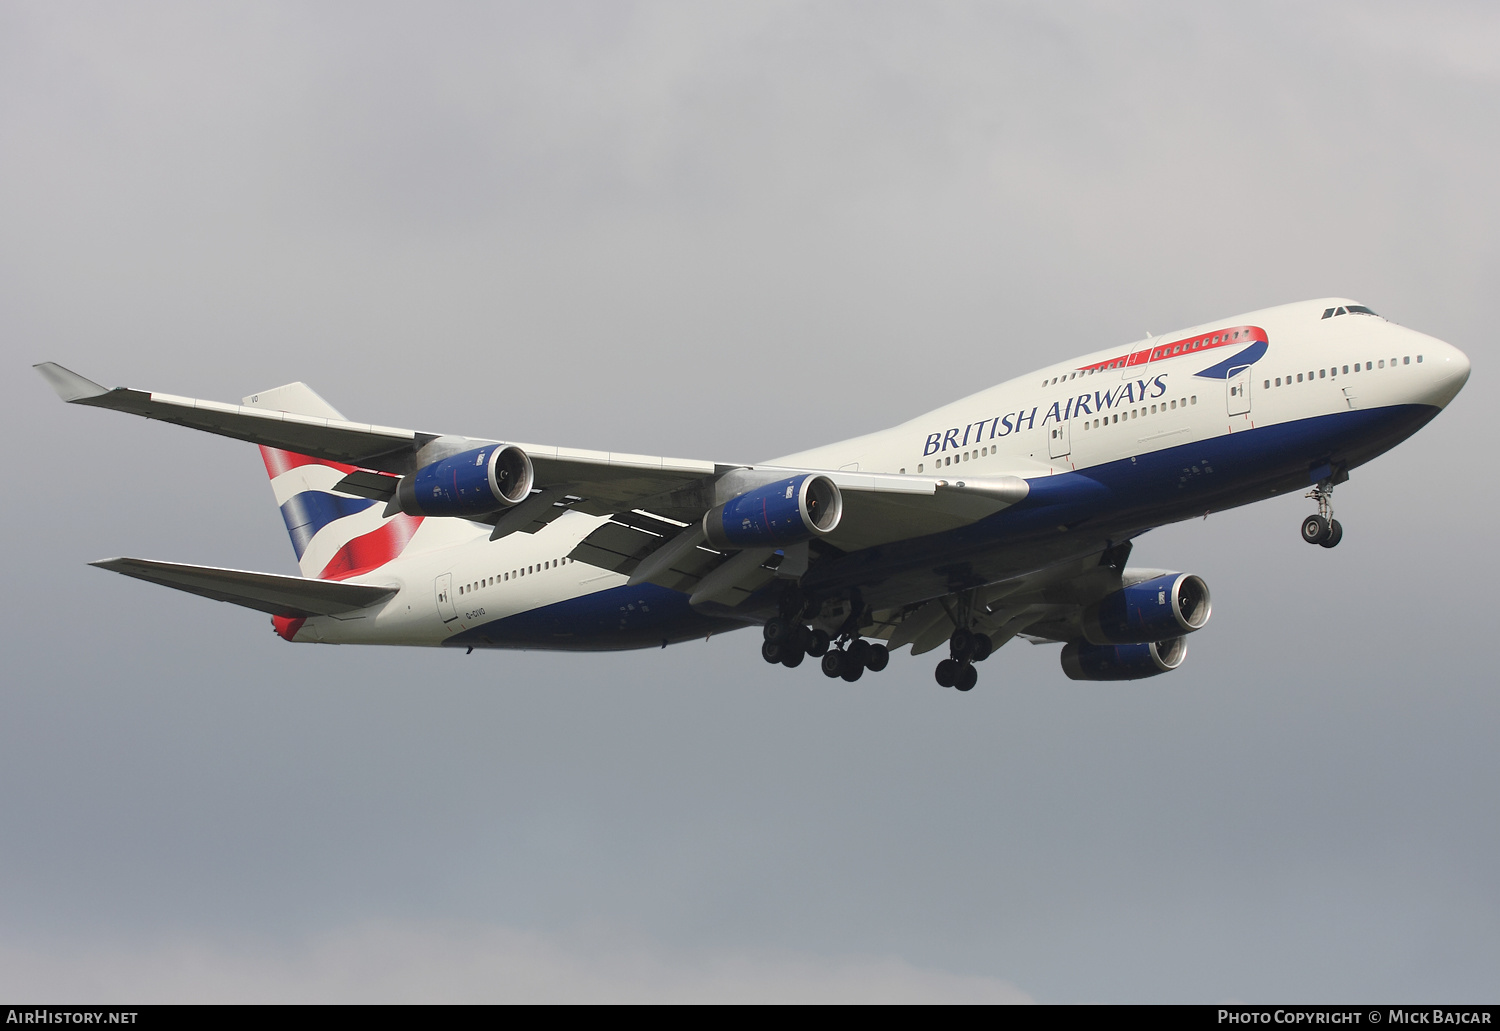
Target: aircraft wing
{"x":375,"y":447}
{"x":609,"y":478}
{"x":878,"y":508}
{"x":269,"y":592}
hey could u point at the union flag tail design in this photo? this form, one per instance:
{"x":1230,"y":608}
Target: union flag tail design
{"x":334,"y":535}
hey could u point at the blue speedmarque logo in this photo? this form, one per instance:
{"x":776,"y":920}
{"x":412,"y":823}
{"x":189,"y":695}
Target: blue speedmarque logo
{"x":1249,"y":356}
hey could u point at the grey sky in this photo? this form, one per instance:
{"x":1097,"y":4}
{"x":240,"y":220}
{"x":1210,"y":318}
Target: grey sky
{"x":731,"y":233}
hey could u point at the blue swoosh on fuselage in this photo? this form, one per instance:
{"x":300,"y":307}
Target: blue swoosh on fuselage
{"x":1249,"y":356}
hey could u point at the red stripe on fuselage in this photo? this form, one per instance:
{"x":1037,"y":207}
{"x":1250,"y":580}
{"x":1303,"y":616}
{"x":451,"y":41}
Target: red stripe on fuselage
{"x":1234,"y":336}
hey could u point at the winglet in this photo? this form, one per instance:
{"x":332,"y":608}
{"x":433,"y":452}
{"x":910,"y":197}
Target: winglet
{"x":69,"y":385}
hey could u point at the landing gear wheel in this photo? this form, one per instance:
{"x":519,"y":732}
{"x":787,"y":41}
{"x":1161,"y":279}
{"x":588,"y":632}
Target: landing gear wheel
{"x":773,"y":651}
{"x":859,"y":652}
{"x":1335,"y":534}
{"x":947,"y":673}
{"x":778,"y":630}
{"x":877,"y":658}
{"x":833,"y":664}
{"x":1315,"y":529}
{"x":968,"y":676}
{"x":961,"y":645}
{"x":853,"y":669}
{"x":983,"y":646}
{"x":817,"y":643}
{"x":793,"y":657}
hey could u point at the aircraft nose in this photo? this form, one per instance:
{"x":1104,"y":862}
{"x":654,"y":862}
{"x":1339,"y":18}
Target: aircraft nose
{"x":1450,"y":371}
{"x":1454,"y":371}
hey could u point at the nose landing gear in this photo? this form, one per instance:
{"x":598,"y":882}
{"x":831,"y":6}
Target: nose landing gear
{"x":1322,"y":528}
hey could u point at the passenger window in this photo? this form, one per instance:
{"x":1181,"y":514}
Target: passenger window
{"x":1278,"y":381}
{"x":1268,"y":384}
{"x":1382,"y":363}
{"x":1322,"y":374}
{"x":1367,"y":366}
{"x":919,"y":467}
{"x":1299,"y":377}
{"x":1419,"y":359}
{"x":1346,"y":370}
{"x":1406,"y":360}
{"x":1195,"y":399}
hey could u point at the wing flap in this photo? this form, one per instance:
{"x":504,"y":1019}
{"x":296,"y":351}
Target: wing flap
{"x":268,"y":592}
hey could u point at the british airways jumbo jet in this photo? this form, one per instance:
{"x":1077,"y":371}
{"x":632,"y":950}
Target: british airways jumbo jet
{"x":1008,"y":513}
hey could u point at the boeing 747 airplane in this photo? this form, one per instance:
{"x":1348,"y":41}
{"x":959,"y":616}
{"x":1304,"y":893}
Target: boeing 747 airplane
{"x":1008,"y":513}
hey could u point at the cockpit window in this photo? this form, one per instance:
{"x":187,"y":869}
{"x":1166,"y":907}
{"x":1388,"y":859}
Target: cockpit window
{"x":1345,"y":310}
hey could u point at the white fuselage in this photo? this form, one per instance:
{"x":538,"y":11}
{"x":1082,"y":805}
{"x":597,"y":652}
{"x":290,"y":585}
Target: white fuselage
{"x":1106,"y":407}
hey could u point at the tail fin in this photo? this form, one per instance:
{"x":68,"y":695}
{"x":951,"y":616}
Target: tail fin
{"x":334,"y":535}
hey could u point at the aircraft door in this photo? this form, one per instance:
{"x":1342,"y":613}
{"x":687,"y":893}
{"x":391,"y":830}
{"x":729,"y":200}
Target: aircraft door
{"x":1239,"y":390}
{"x":1059,"y":443}
{"x":443,"y":589}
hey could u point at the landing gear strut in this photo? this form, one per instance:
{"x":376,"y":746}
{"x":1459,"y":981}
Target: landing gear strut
{"x":1322,"y":528}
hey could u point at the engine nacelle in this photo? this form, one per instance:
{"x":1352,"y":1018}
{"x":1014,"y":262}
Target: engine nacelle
{"x":1152,"y":610}
{"x":784,"y":512}
{"x":471,"y":483}
{"x":1084,"y":661}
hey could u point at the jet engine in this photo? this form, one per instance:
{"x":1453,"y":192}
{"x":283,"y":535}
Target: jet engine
{"x":1084,"y":661}
{"x":471,"y":483}
{"x":1152,"y":610}
{"x":784,"y":512}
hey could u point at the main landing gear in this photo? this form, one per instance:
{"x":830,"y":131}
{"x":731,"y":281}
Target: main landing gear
{"x":965,"y":648}
{"x":788,"y":643}
{"x":1322,"y":528}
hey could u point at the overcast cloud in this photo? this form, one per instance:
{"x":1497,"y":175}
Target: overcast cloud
{"x":731,"y":232}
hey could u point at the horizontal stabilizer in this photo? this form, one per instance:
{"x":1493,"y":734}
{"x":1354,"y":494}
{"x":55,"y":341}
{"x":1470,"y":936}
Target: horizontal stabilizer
{"x":269,"y":592}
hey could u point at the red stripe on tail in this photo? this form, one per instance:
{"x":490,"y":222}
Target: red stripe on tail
{"x":373,"y":549}
{"x":278,"y":461}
